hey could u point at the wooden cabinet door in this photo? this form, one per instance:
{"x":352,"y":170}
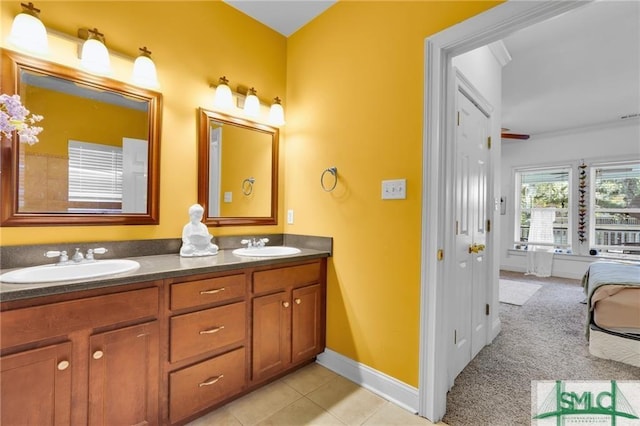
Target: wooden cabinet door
{"x":307,"y":323}
{"x":123,"y":376}
{"x":36,"y":386}
{"x":271,"y":334}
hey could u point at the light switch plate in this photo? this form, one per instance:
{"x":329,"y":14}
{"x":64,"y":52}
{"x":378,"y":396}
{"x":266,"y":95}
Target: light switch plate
{"x":228,"y":197}
{"x":290,"y":217}
{"x":395,"y":189}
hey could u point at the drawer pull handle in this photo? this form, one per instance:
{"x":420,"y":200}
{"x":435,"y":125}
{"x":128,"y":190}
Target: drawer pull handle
{"x":212,"y":291}
{"x":98,"y":354}
{"x":298,"y":301}
{"x":285,"y":304}
{"x":63,"y":365}
{"x":212,"y":330}
{"x":211,"y":381}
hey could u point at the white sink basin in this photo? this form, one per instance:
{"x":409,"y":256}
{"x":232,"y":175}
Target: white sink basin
{"x":70,"y":271}
{"x":267,"y":251}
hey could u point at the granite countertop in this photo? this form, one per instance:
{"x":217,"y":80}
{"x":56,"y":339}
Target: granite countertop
{"x":154,"y":267}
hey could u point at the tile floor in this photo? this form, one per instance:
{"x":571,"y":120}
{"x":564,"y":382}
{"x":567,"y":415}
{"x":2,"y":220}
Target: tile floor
{"x":312,"y":395}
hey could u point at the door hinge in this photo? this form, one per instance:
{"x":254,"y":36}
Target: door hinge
{"x":487,"y":309}
{"x":489,"y":142}
{"x":457,"y":224}
{"x":458,"y":118}
{"x":455,"y":337}
{"x":488,"y":225}
{"x":440,"y":254}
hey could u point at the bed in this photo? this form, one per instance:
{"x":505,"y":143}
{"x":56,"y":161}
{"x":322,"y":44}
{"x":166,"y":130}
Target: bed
{"x":613,"y":310}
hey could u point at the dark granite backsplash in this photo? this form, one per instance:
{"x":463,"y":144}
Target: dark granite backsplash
{"x":33,"y":255}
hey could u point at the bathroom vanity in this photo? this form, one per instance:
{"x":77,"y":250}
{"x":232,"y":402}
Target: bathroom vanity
{"x":163,"y":345}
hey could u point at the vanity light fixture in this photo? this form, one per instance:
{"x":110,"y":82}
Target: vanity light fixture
{"x":252,"y":103}
{"x":28,"y":32}
{"x":276,"y":113}
{"x":223,"y":97}
{"x":144,"y":70}
{"x":94,"y":56}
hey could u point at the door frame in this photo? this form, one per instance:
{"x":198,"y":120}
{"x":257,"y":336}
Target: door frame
{"x":487,"y":27}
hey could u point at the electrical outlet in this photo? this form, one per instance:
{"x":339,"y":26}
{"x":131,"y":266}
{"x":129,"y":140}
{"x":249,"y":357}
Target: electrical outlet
{"x":290,"y":217}
{"x":395,"y":189}
{"x":228,"y":197}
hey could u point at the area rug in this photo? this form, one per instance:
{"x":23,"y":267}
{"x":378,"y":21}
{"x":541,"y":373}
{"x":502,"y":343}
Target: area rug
{"x":516,"y":292}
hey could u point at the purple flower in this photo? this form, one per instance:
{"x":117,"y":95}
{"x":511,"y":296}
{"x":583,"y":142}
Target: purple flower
{"x":14,"y":117}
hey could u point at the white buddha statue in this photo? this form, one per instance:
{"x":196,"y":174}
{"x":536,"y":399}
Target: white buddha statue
{"x":196,"y":239}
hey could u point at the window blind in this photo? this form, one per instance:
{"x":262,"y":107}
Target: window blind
{"x":95,"y":172}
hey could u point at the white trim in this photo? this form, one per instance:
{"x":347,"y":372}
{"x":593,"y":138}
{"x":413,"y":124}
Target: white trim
{"x":440,"y":48}
{"x":387,"y":387}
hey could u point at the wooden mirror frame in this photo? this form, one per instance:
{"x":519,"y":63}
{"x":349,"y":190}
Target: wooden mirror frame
{"x":204,"y":116}
{"x":10,"y":215}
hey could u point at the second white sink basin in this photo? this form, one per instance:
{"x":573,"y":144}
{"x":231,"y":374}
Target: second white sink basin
{"x":266,"y":251}
{"x":69,"y":271}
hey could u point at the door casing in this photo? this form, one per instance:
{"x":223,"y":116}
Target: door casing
{"x":485,"y":28}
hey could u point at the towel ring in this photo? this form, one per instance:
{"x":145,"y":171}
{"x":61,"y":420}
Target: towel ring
{"x":247,"y":186}
{"x":334,"y":172}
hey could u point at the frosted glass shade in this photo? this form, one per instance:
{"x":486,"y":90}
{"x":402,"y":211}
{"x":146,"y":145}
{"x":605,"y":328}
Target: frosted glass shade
{"x":276,"y":114}
{"x":28,"y":33}
{"x":252,"y":105}
{"x":223,"y":97}
{"x":95,"y":57}
{"x":144,"y":72}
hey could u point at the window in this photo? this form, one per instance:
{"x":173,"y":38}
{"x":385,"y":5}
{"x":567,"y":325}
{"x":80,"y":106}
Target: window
{"x":95,"y":177}
{"x":614,"y":224}
{"x":542,"y":210}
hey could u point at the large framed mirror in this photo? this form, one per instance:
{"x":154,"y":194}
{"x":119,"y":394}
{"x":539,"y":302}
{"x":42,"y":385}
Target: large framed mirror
{"x":97,"y":161}
{"x":237,"y":170}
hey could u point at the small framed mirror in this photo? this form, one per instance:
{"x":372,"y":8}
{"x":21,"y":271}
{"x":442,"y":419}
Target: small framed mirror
{"x":97,"y":161}
{"x":237,"y":170}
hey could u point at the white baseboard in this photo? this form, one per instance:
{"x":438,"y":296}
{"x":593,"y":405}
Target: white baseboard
{"x":377,"y":382}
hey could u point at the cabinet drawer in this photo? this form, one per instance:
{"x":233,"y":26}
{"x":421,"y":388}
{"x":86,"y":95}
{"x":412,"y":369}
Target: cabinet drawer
{"x":202,"y":292}
{"x":202,"y":331}
{"x":277,"y":279}
{"x":56,"y":319}
{"x":206,"y":383}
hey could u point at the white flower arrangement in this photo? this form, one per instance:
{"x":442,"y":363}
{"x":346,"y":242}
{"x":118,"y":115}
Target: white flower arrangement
{"x":14,"y":117}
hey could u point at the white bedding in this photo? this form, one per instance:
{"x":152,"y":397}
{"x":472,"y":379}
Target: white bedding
{"x":609,"y":346}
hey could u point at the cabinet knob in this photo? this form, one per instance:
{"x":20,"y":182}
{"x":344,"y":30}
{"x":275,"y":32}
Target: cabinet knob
{"x":63,"y":365}
{"x":297,"y":300}
{"x":98,"y":354}
{"x":285,"y":304}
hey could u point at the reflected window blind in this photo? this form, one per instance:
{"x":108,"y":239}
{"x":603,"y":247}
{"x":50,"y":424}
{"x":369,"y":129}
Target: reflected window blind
{"x":95,"y":172}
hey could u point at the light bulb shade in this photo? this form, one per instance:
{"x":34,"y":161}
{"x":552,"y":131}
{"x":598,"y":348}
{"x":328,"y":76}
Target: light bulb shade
{"x":252,"y":105}
{"x":144,"y":72}
{"x":95,"y":57}
{"x":29,"y":33}
{"x":276,"y":114}
{"x":223,"y":97}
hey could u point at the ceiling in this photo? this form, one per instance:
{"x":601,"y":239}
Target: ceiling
{"x":575,"y":70}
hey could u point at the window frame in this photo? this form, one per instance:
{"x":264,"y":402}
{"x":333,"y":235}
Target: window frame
{"x":517,"y":227}
{"x":592,"y":210}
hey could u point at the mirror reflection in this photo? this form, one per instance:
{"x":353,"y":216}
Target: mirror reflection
{"x":237,"y":170}
{"x":96,"y":161}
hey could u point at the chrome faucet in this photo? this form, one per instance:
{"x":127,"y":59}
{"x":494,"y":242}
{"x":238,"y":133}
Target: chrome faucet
{"x":255,"y":242}
{"x":77,"y":256}
{"x":91,"y":252}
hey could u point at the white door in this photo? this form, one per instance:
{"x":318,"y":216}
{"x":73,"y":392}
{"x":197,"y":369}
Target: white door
{"x":468,"y":287}
{"x":135,"y":166}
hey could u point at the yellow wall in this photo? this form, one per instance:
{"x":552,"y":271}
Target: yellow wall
{"x":355,"y":101}
{"x":192,"y":44}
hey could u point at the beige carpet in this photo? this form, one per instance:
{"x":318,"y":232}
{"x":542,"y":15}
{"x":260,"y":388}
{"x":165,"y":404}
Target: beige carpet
{"x":516,"y":292}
